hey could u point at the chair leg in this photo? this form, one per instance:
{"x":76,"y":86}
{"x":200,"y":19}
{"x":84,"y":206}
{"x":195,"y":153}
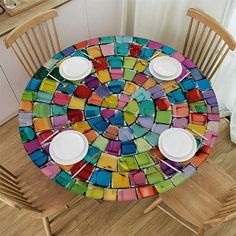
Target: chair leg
{"x":201,"y":230}
{"x":153,"y":205}
{"x":47,"y":226}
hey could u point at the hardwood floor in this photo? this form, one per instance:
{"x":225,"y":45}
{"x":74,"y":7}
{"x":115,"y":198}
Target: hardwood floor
{"x":93,"y":218}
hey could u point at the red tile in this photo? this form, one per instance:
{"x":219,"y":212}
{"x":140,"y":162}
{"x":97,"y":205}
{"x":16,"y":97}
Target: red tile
{"x":194,"y":95}
{"x":162,"y":103}
{"x":81,"y":45}
{"x":82,"y":91}
{"x":75,"y":115}
{"x":135,"y":50}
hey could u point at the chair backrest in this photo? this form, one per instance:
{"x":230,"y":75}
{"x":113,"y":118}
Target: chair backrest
{"x":207,"y":42}
{"x":35,"y":41}
{"x":227,"y":211}
{"x":11,"y":192}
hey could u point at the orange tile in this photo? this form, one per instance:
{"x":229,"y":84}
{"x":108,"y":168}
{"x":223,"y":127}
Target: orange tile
{"x":26,"y":106}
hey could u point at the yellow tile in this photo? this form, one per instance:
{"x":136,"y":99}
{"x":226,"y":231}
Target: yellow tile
{"x":169,"y":86}
{"x":140,"y":66}
{"x":120,"y":180}
{"x":65,"y":167}
{"x":94,"y":192}
{"x":103,"y":76}
{"x":81,"y":126}
{"x":110,"y":194}
{"x":129,"y":118}
{"x":77,"y":103}
{"x":107,"y":161}
{"x":48,"y":85}
{"x":94,"y":51}
{"x":130,"y":87}
{"x":201,"y":129}
{"x":110,"y":101}
{"x":42,"y":124}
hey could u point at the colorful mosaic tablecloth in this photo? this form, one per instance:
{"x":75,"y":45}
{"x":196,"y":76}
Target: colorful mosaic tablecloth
{"x":122,"y":110}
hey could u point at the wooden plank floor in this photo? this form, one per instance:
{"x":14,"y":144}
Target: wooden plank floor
{"x":107,"y":218}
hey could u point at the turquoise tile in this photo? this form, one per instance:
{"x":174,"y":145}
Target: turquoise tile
{"x":147,"y":108}
{"x":115,"y":61}
{"x":44,"y":97}
{"x":152,"y":138}
{"x":107,"y":39}
{"x":140,"y":41}
{"x":122,"y":49}
{"x":124,"y":39}
{"x":138,"y":131}
{"x":58,"y":110}
{"x":63,"y":179}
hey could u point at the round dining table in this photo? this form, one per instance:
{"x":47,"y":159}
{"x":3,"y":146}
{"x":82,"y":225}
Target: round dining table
{"x":122,"y":109}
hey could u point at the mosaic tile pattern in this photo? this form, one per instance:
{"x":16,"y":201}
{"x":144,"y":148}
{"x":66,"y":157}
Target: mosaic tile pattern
{"x":122,"y":110}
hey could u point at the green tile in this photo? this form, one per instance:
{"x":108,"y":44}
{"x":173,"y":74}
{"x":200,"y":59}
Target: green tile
{"x":129,"y":62}
{"x":78,"y":186}
{"x":41,"y":110}
{"x":127,"y":163}
{"x":129,"y":74}
{"x":164,"y":186}
{"x":100,"y":143}
{"x":163,"y":117}
{"x":144,"y":160}
{"x":28,"y":95}
{"x":142,"y":145}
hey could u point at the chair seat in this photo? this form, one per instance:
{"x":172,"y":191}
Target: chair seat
{"x":49,"y":202}
{"x":197,"y":200}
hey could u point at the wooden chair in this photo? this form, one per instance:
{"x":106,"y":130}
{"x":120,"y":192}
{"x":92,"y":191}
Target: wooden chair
{"x":207,"y":42}
{"x":36,"y":194}
{"x":206,"y":199}
{"x":35,"y":41}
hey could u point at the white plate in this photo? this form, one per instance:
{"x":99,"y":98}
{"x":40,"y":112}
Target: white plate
{"x":68,"y":147}
{"x":75,"y":68}
{"x":177,"y":144}
{"x":165,"y":68}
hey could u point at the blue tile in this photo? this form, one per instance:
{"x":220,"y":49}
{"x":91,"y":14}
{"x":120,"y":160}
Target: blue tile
{"x":167,"y":50}
{"x":204,"y":84}
{"x":68,"y":51}
{"x":101,"y":178}
{"x":39,"y":158}
{"x":128,"y":148}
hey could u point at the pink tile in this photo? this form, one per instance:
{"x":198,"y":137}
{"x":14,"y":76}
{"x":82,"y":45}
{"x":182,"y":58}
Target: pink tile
{"x":137,"y":178}
{"x":178,"y":56}
{"x":128,"y":194}
{"x":154,"y":45}
{"x":93,"y":41}
{"x":116,"y":74}
{"x":51,"y":170}
{"x":107,"y":49}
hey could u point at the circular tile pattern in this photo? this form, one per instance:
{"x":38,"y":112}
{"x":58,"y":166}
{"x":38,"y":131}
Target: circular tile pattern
{"x":122,"y":110}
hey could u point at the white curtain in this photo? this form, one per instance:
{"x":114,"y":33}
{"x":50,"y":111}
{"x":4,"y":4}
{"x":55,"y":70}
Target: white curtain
{"x":166,"y":21}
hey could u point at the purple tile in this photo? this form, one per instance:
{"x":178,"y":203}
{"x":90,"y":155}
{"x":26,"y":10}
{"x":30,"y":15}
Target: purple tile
{"x":212,"y":101}
{"x":208,"y":94}
{"x":180,"y":122}
{"x":32,"y":146}
{"x":154,"y":45}
{"x":145,"y":121}
{"x":156,"y":91}
{"x":92,"y":82}
{"x":107,"y":113}
{"x":168,"y":170}
{"x":102,"y":91}
{"x":188,"y":63}
{"x":125,"y":134}
{"x":59,"y":121}
{"x":113,"y":147}
{"x":159,"y":128}
{"x":25,"y":119}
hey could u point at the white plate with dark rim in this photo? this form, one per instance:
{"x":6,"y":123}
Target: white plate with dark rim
{"x":68,"y":147}
{"x":165,"y":68}
{"x":75,"y":68}
{"x":177,"y":144}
